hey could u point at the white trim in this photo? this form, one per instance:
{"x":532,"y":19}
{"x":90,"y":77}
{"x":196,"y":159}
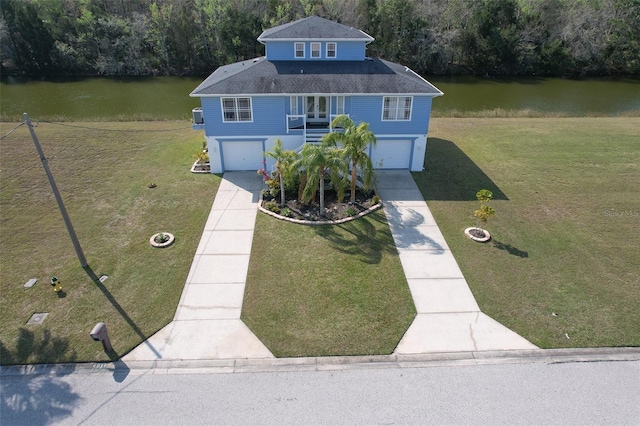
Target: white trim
{"x":237,"y":109}
{"x":441,"y":93}
{"x":295,"y":50}
{"x":254,"y":95}
{"x":344,"y":102}
{"x":294,"y":100}
{"x":367,"y":39}
{"x":335,"y":50}
{"x":397,"y":108}
{"x":254,"y":138}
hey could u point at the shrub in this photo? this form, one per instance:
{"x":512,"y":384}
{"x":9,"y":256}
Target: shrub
{"x":272,"y":206}
{"x":352,"y":211}
{"x":287,"y":212}
{"x":375,"y":200}
{"x":484,"y":212}
{"x":201,"y":157}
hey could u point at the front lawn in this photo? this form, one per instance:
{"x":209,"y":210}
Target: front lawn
{"x":326,"y":290}
{"x":562,"y":268}
{"x":102,"y":171}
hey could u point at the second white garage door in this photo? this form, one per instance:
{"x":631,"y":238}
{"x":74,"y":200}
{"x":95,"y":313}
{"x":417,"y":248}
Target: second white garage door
{"x":242,"y":155}
{"x":391,"y":154}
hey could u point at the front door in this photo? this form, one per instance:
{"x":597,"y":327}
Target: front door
{"x":317,"y":109}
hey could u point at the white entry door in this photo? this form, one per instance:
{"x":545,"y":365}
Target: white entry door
{"x":317,"y":109}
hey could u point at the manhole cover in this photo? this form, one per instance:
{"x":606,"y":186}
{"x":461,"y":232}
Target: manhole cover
{"x":37,"y":318}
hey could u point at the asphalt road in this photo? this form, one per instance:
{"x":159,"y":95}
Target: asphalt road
{"x":535,"y":393}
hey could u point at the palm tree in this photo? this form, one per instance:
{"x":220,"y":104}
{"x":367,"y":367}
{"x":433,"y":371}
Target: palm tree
{"x":284,"y":160}
{"x":316,"y":160}
{"x":355,"y":140}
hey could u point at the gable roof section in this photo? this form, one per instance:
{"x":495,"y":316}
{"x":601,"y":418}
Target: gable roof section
{"x":261,"y":77}
{"x":313,"y":28}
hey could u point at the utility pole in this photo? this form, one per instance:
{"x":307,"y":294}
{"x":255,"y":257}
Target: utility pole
{"x":63,"y":211}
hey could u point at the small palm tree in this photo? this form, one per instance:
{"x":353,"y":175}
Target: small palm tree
{"x":484,"y":212}
{"x":284,"y":160}
{"x":355,"y":140}
{"x":316,"y":160}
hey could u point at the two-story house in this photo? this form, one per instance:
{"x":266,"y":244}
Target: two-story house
{"x":313,"y":70}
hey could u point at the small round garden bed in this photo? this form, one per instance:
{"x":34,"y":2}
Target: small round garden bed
{"x":478,"y":234}
{"x":162,"y":239}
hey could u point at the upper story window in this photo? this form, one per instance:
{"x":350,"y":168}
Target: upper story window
{"x":315,"y":50}
{"x":236,"y":109}
{"x":299,"y":50}
{"x":331,"y":50}
{"x":397,"y":108}
{"x":339,"y":105}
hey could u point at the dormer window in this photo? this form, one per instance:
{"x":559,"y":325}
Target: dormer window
{"x":299,"y":50}
{"x":315,"y":50}
{"x":331,"y":50}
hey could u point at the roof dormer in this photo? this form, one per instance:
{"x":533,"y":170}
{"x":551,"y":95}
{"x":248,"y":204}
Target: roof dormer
{"x":314,"y":39}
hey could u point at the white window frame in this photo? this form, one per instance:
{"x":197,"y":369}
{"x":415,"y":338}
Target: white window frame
{"x":293,"y":105}
{"x":295,"y":50}
{"x":316,"y":50}
{"x":339,"y":105}
{"x":394,"y":108}
{"x":239,"y":112}
{"x":335,"y":49}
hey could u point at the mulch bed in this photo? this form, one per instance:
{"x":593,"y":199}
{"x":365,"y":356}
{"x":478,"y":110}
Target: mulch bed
{"x":334,"y":209}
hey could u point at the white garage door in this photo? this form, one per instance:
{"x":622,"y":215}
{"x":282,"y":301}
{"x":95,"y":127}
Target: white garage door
{"x":242,"y":155}
{"x":391,"y":154}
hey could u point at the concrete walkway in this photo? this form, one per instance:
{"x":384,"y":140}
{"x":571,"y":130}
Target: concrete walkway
{"x":207,"y":322}
{"x":449,"y":319}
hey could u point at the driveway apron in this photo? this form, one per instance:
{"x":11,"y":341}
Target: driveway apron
{"x":207,"y":323}
{"x":448,"y":318}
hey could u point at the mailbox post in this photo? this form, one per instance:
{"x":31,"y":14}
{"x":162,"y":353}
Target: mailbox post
{"x":99,"y":334}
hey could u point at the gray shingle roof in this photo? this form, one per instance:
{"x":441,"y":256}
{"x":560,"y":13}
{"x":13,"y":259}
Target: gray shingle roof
{"x":313,"y":27}
{"x":261,"y":77}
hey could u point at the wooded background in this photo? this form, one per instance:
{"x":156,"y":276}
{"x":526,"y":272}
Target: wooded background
{"x":193,"y":37}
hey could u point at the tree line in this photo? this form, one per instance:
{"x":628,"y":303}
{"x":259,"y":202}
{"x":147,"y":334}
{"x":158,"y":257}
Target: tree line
{"x":193,"y":37}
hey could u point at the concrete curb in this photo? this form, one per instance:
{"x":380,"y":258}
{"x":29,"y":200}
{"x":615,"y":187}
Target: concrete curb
{"x":334,"y":363}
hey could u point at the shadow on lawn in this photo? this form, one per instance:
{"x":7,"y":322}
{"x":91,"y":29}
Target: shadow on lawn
{"x":510,"y":249}
{"x":359,"y":238}
{"x":120,"y":310}
{"x":450,"y":175}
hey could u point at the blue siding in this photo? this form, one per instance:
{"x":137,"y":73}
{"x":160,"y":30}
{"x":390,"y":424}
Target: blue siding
{"x":346,"y":51}
{"x":351,"y":50}
{"x":269,"y":114}
{"x":369,"y":110}
{"x":268,"y":118}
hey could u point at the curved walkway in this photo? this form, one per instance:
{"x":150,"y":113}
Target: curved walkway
{"x":207,"y":324}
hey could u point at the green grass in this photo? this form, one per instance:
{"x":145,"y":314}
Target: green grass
{"x":565,"y":235}
{"x":565,"y":239}
{"x":103,"y":176}
{"x":326,"y":290}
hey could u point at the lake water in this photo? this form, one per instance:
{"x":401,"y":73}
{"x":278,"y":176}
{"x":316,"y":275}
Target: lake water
{"x":168,"y":97}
